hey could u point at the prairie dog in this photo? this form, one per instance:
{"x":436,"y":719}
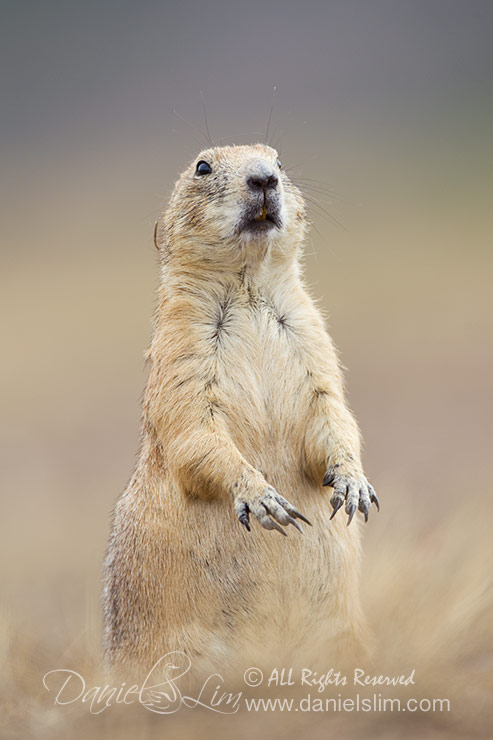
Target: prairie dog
{"x":246,"y":434}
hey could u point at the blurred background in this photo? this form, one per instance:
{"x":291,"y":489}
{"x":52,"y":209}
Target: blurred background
{"x":384,"y":112}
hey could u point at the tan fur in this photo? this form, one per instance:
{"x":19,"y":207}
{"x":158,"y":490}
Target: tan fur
{"x":245,"y":392}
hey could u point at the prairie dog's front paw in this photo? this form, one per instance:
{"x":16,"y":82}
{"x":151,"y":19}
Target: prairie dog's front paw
{"x":354,"y":489}
{"x":268,"y":507}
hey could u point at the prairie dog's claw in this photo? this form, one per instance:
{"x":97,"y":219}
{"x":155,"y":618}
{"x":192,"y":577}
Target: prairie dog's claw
{"x":350,"y":509}
{"x":297,"y":515}
{"x":336,"y":503}
{"x":374,"y":497}
{"x":243,"y":515}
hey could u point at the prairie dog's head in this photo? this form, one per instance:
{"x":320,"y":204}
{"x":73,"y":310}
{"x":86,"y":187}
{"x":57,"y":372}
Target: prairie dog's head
{"x":234,"y":196}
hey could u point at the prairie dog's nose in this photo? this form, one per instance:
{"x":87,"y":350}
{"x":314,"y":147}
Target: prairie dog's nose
{"x":261,"y":177}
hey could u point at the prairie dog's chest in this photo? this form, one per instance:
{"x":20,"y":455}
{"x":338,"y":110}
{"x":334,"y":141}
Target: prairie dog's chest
{"x":261,"y":358}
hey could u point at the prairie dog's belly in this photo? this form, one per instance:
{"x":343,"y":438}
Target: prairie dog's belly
{"x":259,"y":588}
{"x":259,"y":566}
{"x":234,"y":596}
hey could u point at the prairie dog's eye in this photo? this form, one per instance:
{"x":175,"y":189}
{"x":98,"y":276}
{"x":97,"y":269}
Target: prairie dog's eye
{"x":203,"y":168}
{"x":279,"y":164}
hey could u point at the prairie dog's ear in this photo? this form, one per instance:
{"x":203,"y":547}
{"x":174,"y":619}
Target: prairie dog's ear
{"x":160,"y":240}
{"x":156,"y":230}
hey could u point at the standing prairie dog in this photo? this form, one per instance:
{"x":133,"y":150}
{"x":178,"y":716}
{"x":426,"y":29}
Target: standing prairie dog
{"x":244,"y":423}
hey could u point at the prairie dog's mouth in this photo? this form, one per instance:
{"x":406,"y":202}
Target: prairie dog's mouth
{"x":260,"y":218}
{"x":263,"y":222}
